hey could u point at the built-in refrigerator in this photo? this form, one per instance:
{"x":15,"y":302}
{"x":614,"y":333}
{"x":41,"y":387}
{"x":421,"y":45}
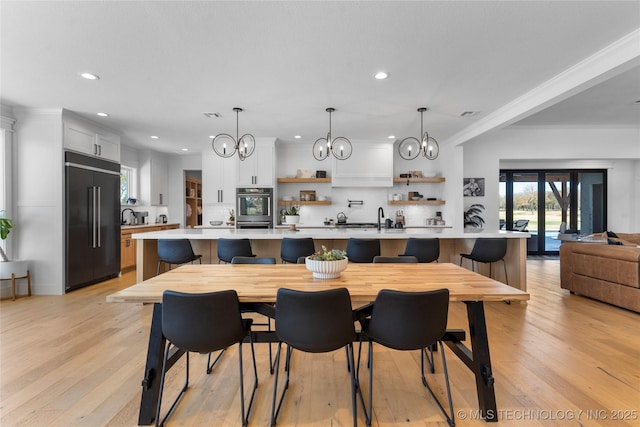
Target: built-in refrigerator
{"x":92,"y":220}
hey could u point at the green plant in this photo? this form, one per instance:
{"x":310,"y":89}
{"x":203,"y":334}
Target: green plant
{"x":328,"y":255}
{"x":472,"y":216}
{"x":292,"y":210}
{"x":5,"y":225}
{"x":232,"y":214}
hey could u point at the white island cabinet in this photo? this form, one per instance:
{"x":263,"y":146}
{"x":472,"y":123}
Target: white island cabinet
{"x":258,"y":169}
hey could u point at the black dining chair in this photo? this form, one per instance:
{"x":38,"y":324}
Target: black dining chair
{"x":313,"y":322}
{"x":362,"y":250}
{"x":204,"y":323}
{"x":252,"y":260}
{"x":488,"y":251}
{"x":408,"y":321}
{"x":291,"y":248}
{"x":228,"y":248}
{"x":426,"y":250}
{"x":175,"y":251}
{"x":394,"y":259}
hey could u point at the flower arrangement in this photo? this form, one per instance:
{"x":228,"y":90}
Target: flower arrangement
{"x":328,"y":255}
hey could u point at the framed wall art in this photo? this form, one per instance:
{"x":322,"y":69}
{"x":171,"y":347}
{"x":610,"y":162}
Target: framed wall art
{"x":473,"y":187}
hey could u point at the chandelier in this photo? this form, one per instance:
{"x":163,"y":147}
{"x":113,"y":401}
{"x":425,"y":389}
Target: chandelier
{"x":339,"y":147}
{"x":409,"y":148}
{"x":224,"y":145}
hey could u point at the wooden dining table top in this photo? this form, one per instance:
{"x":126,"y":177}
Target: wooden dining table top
{"x":260,"y":282}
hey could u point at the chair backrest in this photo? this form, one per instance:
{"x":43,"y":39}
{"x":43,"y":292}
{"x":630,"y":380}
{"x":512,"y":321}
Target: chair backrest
{"x":202,"y":322}
{"x":426,"y":250}
{"x":301,"y":260}
{"x":315,"y":322}
{"x":292,"y":248}
{"x":521,"y":225}
{"x":489,"y":250}
{"x":409,"y":320}
{"x":362,"y":250}
{"x":394,"y":259}
{"x":228,"y":248}
{"x":175,"y":251}
{"x":252,"y":260}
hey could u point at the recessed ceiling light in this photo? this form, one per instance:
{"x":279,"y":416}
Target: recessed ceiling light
{"x":298,"y":136}
{"x":154,"y":137}
{"x":381,"y":75}
{"x":391,"y":137}
{"x":185,"y":149}
{"x":102,"y":114}
{"x":90,"y":76}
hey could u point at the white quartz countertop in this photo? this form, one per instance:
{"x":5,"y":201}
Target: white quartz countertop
{"x":323,"y":233}
{"x":160,"y":224}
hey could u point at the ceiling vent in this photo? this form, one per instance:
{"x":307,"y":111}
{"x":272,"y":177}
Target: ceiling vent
{"x":212,"y":115}
{"x":469,"y":113}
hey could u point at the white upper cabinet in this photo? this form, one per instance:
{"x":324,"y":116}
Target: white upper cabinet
{"x":218,"y":179}
{"x":370,"y":165}
{"x":154,"y":181}
{"x":80,"y":136}
{"x":258,"y":169}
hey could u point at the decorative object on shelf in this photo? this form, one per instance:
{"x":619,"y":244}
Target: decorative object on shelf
{"x":410,"y":147}
{"x":327,"y":264}
{"x":308,"y":195}
{"x":292,"y":214}
{"x":340,"y":146}
{"x":232,"y":216}
{"x":304,"y":173}
{"x":321,"y":174}
{"x":5,"y":227}
{"x":473,"y":187}
{"x":473,"y":222}
{"x":244,"y":145}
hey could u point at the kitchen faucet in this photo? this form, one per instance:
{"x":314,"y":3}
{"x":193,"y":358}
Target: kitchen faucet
{"x":380,"y":215}
{"x":122,"y":214}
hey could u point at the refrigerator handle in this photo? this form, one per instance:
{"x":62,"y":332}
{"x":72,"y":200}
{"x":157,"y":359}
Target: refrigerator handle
{"x":93,"y":214}
{"x":99,"y":217}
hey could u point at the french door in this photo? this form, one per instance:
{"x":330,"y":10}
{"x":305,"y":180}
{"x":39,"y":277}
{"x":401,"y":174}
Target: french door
{"x":543,"y":202}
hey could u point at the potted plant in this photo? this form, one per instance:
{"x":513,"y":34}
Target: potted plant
{"x":472,"y":220}
{"x":327,"y":264}
{"x":292,"y":214}
{"x":5,"y":228}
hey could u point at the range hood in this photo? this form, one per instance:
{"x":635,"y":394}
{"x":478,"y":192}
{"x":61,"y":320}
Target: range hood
{"x":370,"y":165}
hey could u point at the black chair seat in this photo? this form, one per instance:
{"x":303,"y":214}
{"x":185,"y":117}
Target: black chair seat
{"x":291,"y":248}
{"x":426,"y":250}
{"x":252,"y":260}
{"x":394,"y":259}
{"x":488,"y":251}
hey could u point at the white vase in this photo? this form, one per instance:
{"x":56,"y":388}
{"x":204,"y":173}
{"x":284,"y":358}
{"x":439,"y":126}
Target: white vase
{"x":292,"y":219}
{"x":326,"y":269}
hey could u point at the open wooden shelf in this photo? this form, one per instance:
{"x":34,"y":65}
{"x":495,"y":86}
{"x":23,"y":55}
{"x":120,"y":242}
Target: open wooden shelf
{"x":304,"y":203}
{"x":416,"y":202}
{"x":433,"y":179}
{"x":294,"y":180}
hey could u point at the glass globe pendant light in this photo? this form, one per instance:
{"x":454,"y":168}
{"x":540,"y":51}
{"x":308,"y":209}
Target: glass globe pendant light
{"x":410,"y":148}
{"x":225,"y":145}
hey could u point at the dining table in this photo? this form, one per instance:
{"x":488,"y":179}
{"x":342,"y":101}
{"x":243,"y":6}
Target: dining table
{"x":257,"y":286}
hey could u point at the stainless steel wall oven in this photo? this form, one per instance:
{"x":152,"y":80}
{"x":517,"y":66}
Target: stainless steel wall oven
{"x":254,"y":207}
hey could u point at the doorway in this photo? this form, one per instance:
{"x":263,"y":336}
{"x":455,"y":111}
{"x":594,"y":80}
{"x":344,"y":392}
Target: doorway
{"x":544,"y":202}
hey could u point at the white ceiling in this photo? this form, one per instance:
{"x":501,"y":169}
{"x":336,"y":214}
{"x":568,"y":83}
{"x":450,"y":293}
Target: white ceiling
{"x":163,"y":63}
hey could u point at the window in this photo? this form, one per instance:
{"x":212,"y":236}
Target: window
{"x":127,"y":184}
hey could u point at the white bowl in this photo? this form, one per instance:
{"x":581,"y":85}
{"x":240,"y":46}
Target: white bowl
{"x":326,"y":269}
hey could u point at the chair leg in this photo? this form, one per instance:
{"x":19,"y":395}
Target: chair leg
{"x":210,"y":365}
{"x":276,"y":411}
{"x":354,"y":384}
{"x":450,"y":417}
{"x":369,"y":411}
{"x":162,"y":375}
{"x":243,"y":414}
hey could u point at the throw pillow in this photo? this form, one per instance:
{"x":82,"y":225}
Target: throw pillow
{"x":612,"y":234}
{"x":613,"y":242}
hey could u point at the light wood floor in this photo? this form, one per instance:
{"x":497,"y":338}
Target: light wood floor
{"x":77,"y":360}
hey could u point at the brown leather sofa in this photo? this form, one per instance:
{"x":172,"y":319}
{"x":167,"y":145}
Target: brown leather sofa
{"x":609,"y":273}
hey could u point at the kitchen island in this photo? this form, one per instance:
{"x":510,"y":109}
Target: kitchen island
{"x":266,"y":243}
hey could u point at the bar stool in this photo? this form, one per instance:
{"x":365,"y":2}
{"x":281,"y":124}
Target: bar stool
{"x":488,"y":251}
{"x":292,"y":249}
{"x":228,"y":248}
{"x":175,"y":251}
{"x":362,"y":250}
{"x":426,"y":250}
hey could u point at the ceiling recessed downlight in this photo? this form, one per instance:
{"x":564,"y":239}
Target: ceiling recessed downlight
{"x":297,"y":136}
{"x":90,"y":76}
{"x":102,"y":114}
{"x":154,"y":137}
{"x":381,"y":75}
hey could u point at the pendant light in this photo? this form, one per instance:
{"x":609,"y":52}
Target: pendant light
{"x":224,"y":145}
{"x":409,"y":148}
{"x":339,"y":147}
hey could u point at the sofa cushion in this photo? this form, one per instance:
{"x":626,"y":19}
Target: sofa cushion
{"x":618,"y":264}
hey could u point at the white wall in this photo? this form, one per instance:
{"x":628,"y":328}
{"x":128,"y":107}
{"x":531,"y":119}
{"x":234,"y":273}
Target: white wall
{"x":617,"y":150}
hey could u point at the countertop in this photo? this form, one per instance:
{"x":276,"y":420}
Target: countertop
{"x":124,"y":227}
{"x":323,"y":233}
